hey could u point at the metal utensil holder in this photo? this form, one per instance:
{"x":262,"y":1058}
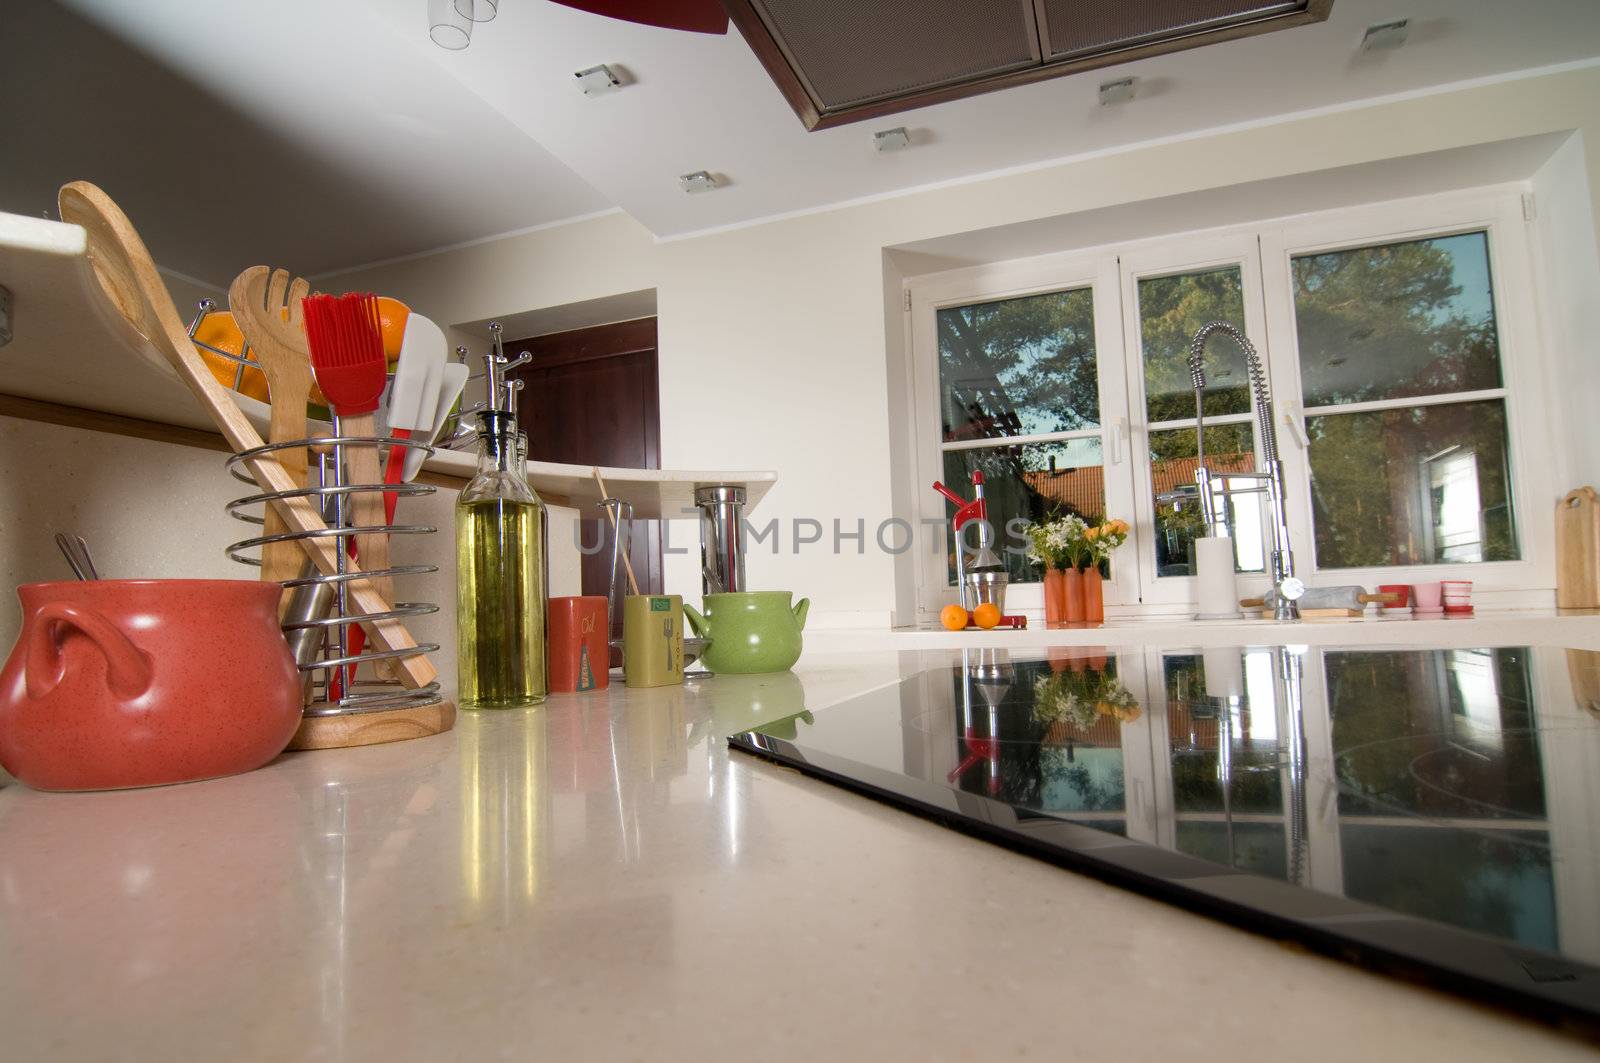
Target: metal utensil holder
{"x":333,"y":496}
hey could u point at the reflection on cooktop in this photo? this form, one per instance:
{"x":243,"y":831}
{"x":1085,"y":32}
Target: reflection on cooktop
{"x":1435,"y":810}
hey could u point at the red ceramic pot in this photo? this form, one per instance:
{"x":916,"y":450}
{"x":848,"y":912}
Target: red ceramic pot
{"x":118,"y":683}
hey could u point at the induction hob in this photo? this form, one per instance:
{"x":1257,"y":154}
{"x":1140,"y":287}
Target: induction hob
{"x":1432,"y":813}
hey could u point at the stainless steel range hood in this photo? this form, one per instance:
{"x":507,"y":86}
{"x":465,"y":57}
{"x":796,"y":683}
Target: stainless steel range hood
{"x":840,"y":61}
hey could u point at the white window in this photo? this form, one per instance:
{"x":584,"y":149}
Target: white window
{"x":1396,"y":344}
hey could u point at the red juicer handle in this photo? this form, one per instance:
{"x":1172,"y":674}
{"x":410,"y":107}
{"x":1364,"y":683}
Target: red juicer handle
{"x":951,"y":495}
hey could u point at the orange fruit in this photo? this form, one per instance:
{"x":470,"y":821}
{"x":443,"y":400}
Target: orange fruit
{"x":392,"y":314}
{"x":953,"y":617}
{"x":986,"y":615}
{"x":219,"y":330}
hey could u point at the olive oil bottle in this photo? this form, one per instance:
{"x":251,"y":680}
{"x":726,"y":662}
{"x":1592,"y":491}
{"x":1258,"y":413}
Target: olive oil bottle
{"x":501,"y":594}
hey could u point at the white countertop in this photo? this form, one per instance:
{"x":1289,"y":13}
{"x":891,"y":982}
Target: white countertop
{"x":601,"y":878}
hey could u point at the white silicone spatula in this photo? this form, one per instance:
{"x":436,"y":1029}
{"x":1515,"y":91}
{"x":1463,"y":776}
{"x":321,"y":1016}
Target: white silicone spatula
{"x":417,"y":377}
{"x":452,"y":383}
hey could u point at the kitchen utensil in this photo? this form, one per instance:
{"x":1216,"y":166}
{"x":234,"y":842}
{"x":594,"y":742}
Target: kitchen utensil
{"x":452,"y":381}
{"x":76,"y":550}
{"x":1578,"y":550}
{"x":987,"y":587}
{"x":616,"y":532}
{"x":128,"y":277}
{"x":1352,"y":599}
{"x":1400,"y":593}
{"x":983,"y":578}
{"x":750,"y":631}
{"x":652,"y":640}
{"x":308,"y":603}
{"x":387,"y":713}
{"x":119,"y":683}
{"x":413,"y":396}
{"x":1456,"y":595}
{"x":411,"y":399}
{"x":347,"y":357}
{"x":1428,"y":596}
{"x":578,"y":652}
{"x":258,"y":298}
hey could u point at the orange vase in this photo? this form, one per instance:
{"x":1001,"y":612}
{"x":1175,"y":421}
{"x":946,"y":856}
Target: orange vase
{"x":1072,"y":607}
{"x":1094,"y":597}
{"x":1055,"y":595}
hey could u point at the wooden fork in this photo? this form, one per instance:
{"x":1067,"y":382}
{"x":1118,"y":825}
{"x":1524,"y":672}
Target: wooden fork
{"x":258,"y":298}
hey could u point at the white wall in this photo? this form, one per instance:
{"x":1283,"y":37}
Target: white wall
{"x":774,"y":336}
{"x":1568,"y":276}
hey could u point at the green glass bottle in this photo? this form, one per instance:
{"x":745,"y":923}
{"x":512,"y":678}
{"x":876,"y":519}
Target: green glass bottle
{"x":500,"y":576}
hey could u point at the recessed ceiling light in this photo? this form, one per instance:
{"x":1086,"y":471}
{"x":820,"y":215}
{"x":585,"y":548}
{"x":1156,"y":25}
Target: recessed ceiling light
{"x":598,"y":80}
{"x":697,"y":182}
{"x":1383,"y":35}
{"x":894,"y":139}
{"x":1119,"y":91}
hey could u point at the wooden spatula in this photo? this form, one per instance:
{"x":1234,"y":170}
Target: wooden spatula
{"x":130,"y":282}
{"x":258,"y":298}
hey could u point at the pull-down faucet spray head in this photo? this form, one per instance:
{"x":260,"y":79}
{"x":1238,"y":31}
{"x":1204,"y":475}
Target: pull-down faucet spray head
{"x":1286,"y":586}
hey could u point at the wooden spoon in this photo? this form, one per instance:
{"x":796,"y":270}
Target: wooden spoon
{"x":129,"y":280}
{"x":258,"y":297}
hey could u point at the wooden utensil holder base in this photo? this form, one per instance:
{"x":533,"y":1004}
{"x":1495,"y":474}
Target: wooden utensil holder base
{"x":346,"y":729}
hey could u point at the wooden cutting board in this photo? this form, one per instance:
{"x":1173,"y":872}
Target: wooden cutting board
{"x":1578,"y":550}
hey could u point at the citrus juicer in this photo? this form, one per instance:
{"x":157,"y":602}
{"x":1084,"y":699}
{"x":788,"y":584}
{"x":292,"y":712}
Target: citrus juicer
{"x":983,"y":580}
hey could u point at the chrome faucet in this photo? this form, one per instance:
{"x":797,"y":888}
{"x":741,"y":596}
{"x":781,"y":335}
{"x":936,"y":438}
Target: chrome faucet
{"x":1286,"y":588}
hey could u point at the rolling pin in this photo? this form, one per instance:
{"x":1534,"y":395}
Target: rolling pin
{"x":1352,"y":597}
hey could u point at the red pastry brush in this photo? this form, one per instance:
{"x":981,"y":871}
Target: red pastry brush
{"x":346,"y":346}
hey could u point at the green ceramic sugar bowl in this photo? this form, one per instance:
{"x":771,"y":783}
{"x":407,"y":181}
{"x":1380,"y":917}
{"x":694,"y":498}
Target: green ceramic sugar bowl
{"x":750,"y":631}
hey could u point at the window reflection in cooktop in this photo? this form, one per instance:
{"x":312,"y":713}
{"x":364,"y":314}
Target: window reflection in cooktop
{"x":1460,"y":786}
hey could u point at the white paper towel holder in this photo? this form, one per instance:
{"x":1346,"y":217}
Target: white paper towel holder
{"x":1216,"y":594}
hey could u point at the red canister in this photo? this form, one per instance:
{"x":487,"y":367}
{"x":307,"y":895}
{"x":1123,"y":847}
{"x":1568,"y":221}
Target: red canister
{"x":580,"y":653}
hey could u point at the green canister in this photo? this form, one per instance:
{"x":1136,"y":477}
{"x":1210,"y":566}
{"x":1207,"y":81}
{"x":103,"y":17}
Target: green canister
{"x":652,"y":640}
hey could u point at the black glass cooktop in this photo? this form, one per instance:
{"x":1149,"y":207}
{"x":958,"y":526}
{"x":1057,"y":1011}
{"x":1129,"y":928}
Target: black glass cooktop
{"x":1434,"y":813}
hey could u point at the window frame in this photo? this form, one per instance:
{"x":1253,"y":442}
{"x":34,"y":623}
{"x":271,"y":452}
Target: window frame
{"x":1262,"y":248}
{"x":994,"y":283}
{"x":1166,"y":257}
{"x":1497,"y":212}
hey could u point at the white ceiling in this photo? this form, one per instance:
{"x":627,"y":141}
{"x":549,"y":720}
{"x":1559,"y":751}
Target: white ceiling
{"x":704,"y":102}
{"x":328,"y":134}
{"x":302,"y":133}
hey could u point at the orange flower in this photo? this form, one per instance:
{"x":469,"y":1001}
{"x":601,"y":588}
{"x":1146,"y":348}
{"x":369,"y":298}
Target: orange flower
{"x":1091,"y":534}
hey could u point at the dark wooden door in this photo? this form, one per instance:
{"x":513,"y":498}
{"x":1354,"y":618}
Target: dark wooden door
{"x":589,"y":397}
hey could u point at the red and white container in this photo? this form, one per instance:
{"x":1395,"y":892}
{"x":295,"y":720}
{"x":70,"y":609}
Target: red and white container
{"x":580,"y":650}
{"x":1456,"y":595}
